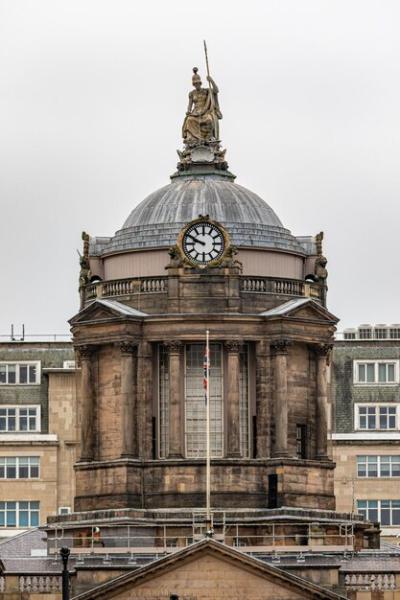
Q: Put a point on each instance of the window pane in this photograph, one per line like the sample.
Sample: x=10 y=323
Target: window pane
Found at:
x=385 y=516
x=35 y=518
x=32 y=373
x=23 y=373
x=390 y=372
x=12 y=377
x=361 y=372
x=23 y=518
x=370 y=372
x=23 y=471
x=11 y=516
x=11 y=472
x=3 y=374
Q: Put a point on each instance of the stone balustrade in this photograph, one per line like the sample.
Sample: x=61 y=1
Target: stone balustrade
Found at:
x=40 y=584
x=370 y=581
x=159 y=285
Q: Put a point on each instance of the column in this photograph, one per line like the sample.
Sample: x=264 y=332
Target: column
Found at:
x=88 y=420
x=232 y=348
x=262 y=435
x=144 y=400
x=280 y=349
x=128 y=399
x=322 y=354
x=175 y=421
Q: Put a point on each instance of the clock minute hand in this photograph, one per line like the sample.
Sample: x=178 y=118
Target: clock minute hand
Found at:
x=196 y=240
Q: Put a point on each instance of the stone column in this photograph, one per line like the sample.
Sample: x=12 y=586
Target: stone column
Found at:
x=88 y=420
x=322 y=354
x=280 y=349
x=128 y=399
x=175 y=421
x=233 y=398
x=144 y=400
x=263 y=386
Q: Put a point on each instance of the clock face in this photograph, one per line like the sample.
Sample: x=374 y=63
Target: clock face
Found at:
x=203 y=243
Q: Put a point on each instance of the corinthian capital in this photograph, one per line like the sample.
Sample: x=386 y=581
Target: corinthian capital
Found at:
x=174 y=346
x=127 y=347
x=233 y=346
x=86 y=352
x=280 y=346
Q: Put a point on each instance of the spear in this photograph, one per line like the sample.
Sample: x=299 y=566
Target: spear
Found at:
x=208 y=75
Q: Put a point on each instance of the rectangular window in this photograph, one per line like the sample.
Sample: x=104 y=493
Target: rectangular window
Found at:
x=19 y=418
x=372 y=372
x=385 y=511
x=378 y=466
x=370 y=417
x=19 y=467
x=301 y=441
x=163 y=383
x=195 y=406
x=19 y=514
x=20 y=373
x=368 y=508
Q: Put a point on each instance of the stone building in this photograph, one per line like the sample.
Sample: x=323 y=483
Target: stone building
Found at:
x=205 y=254
x=38 y=433
x=366 y=395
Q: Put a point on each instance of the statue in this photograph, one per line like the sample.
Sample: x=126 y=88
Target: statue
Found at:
x=84 y=273
x=203 y=112
x=320 y=270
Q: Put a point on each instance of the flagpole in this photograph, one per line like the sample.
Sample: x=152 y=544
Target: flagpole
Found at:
x=208 y=460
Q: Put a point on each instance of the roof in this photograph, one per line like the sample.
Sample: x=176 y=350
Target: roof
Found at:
x=249 y=563
x=158 y=219
x=292 y=306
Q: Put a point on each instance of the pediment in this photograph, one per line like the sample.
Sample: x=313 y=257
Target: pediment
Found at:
x=303 y=309
x=100 y=310
x=208 y=570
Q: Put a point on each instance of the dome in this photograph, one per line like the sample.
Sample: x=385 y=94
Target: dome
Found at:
x=158 y=219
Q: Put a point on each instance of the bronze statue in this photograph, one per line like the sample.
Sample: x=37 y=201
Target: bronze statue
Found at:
x=203 y=112
x=84 y=273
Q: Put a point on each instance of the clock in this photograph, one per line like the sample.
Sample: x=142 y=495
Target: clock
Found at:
x=203 y=243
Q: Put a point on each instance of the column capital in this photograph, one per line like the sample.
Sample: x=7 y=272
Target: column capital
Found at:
x=280 y=346
x=86 y=351
x=322 y=351
x=126 y=347
x=233 y=346
x=174 y=346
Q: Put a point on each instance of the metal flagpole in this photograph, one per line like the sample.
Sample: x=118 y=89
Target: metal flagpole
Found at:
x=208 y=460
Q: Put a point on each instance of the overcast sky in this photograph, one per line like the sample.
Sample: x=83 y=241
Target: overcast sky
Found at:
x=92 y=97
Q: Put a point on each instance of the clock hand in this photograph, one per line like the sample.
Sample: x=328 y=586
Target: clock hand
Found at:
x=196 y=240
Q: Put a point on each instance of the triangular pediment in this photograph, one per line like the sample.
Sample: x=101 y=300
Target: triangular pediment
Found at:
x=303 y=309
x=101 y=309
x=208 y=570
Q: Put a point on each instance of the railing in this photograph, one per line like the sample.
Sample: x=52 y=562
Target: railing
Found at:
x=370 y=582
x=40 y=584
x=163 y=539
x=276 y=285
x=127 y=287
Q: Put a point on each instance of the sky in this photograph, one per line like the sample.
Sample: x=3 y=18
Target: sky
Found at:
x=92 y=98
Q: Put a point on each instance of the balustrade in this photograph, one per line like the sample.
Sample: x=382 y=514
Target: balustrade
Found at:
x=370 y=581
x=41 y=584
x=286 y=287
x=126 y=287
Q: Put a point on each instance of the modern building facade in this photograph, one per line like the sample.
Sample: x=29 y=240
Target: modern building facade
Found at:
x=38 y=433
x=366 y=401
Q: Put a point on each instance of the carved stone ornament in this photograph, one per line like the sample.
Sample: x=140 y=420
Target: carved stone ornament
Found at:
x=233 y=346
x=86 y=352
x=280 y=346
x=127 y=347
x=174 y=346
x=323 y=350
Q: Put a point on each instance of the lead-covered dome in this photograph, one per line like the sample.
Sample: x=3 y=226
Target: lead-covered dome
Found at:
x=158 y=219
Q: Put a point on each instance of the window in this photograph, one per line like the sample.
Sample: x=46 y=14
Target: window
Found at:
x=195 y=417
x=380 y=333
x=394 y=333
x=163 y=382
x=376 y=372
x=64 y=510
x=365 y=333
x=378 y=466
x=301 y=441
x=19 y=418
x=26 y=373
x=19 y=514
x=385 y=511
x=19 y=467
x=244 y=400
x=380 y=417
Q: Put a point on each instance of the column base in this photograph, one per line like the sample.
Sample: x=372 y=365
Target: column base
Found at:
x=128 y=455
x=177 y=455
x=322 y=457
x=280 y=454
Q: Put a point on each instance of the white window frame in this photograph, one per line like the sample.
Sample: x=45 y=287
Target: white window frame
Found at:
x=64 y=510
x=18 y=408
x=8 y=507
x=376 y=363
x=18 y=364
x=377 y=406
x=5 y=462
x=379 y=459
x=380 y=508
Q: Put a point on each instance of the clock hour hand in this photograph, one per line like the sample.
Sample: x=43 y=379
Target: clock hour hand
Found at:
x=196 y=240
